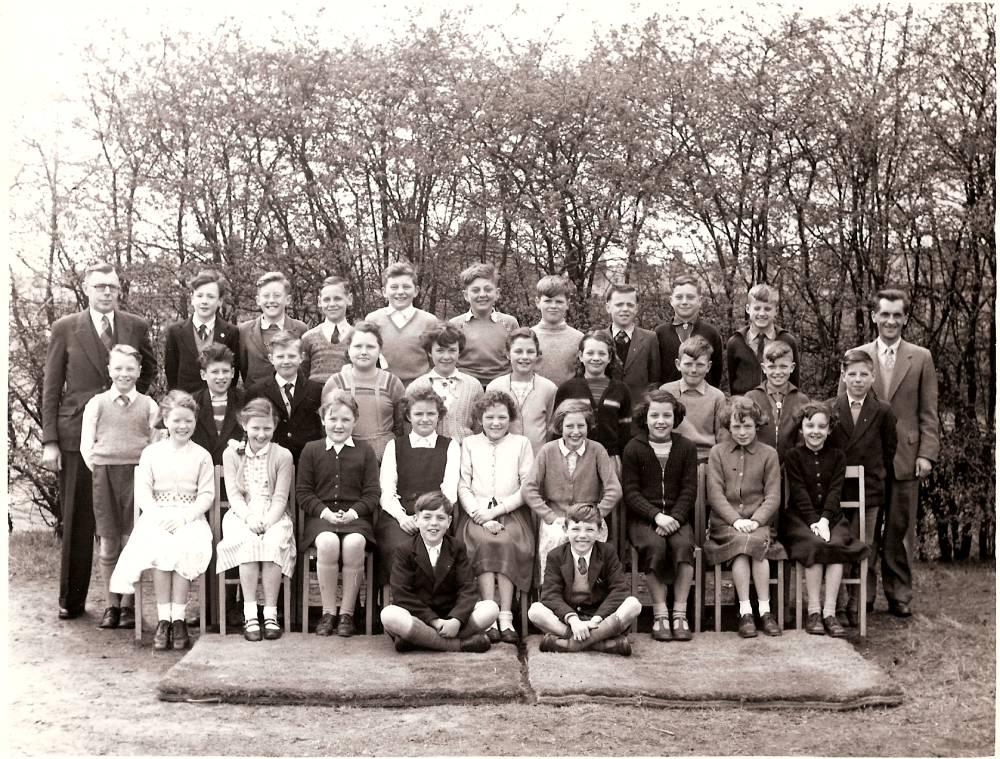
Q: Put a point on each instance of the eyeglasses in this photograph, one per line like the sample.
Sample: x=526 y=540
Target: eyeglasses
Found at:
x=105 y=288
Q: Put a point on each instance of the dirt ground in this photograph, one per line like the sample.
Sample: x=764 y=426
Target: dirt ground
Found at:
x=73 y=689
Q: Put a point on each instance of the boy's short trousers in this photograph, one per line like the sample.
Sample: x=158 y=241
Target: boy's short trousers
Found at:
x=113 y=501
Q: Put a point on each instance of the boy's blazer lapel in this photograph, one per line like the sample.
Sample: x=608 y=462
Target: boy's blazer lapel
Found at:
x=257 y=338
x=206 y=415
x=566 y=566
x=219 y=332
x=231 y=420
x=636 y=348
x=445 y=560
x=187 y=342
x=844 y=415
x=865 y=419
x=93 y=347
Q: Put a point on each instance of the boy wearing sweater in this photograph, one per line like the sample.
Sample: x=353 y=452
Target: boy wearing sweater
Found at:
x=402 y=324
x=324 y=347
x=117 y=425
x=702 y=403
x=559 y=341
x=486 y=329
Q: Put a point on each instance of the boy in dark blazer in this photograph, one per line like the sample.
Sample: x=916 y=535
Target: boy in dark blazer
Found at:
x=296 y=398
x=637 y=348
x=273 y=296
x=685 y=300
x=188 y=338
x=584 y=597
x=219 y=403
x=745 y=348
x=435 y=600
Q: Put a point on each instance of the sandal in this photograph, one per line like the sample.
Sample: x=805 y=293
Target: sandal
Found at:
x=272 y=630
x=251 y=630
x=661 y=629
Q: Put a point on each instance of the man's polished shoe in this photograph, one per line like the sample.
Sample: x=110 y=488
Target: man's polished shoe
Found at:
x=508 y=635
x=770 y=625
x=474 y=644
x=161 y=638
x=345 y=625
x=833 y=628
x=65 y=613
x=681 y=629
x=493 y=634
x=179 y=635
x=111 y=618
x=548 y=644
x=661 y=629
x=900 y=609
x=747 y=628
x=325 y=625
x=126 y=620
x=814 y=624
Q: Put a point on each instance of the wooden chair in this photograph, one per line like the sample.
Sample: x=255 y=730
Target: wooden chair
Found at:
x=202 y=595
x=858 y=473
x=216 y=521
x=698 y=526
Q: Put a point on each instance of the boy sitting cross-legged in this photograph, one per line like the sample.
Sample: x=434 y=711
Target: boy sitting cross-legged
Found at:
x=585 y=602
x=434 y=593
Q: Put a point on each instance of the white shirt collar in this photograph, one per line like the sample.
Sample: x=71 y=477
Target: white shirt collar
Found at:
x=260 y=454
x=615 y=329
x=433 y=552
x=851 y=399
x=131 y=394
x=433 y=373
x=770 y=333
x=96 y=316
x=210 y=325
x=401 y=317
x=265 y=323
x=343 y=327
x=419 y=441
x=565 y=451
x=684 y=387
x=338 y=447
x=282 y=381
x=469 y=316
x=883 y=346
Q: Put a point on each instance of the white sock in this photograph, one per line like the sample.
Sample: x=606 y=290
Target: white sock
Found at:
x=250 y=611
x=830 y=609
x=764 y=606
x=814 y=609
x=680 y=611
x=505 y=620
x=659 y=610
x=328 y=610
x=270 y=612
x=163 y=612
x=745 y=608
x=177 y=611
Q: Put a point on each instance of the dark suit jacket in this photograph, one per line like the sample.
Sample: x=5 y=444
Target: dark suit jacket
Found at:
x=870 y=443
x=608 y=584
x=180 y=355
x=255 y=366
x=642 y=363
x=669 y=345
x=743 y=367
x=913 y=396
x=204 y=430
x=293 y=430
x=76 y=369
x=446 y=591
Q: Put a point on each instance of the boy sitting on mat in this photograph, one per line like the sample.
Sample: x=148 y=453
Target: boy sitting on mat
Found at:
x=434 y=590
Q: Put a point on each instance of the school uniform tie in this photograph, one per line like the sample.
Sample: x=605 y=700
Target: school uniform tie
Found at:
x=855 y=410
x=202 y=332
x=106 y=337
x=335 y=337
x=621 y=345
x=123 y=401
x=761 y=339
x=581 y=565
x=289 y=387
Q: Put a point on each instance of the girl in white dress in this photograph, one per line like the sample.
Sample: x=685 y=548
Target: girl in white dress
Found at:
x=174 y=488
x=257 y=531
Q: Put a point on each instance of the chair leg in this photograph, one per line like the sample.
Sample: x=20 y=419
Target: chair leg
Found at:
x=137 y=601
x=203 y=604
x=863 y=599
x=305 y=593
x=718 y=598
x=369 y=591
x=634 y=577
x=286 y=585
x=781 y=595
x=222 y=603
x=699 y=583
x=524 y=613
x=798 y=596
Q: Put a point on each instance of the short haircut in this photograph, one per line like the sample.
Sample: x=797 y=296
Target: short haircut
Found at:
x=809 y=410
x=487 y=400
x=552 y=285
x=367 y=328
x=338 y=398
x=176 y=399
x=442 y=334
x=891 y=293
x=478 y=271
x=856 y=356
x=620 y=287
x=270 y=277
x=209 y=277
x=422 y=395
x=125 y=350
x=433 y=501
x=686 y=279
x=583 y=512
x=336 y=282
x=762 y=294
x=696 y=346
x=102 y=267
x=571 y=406
x=525 y=333
x=258 y=407
x=742 y=408
x=216 y=353
x=658 y=396
x=777 y=349
x=399 y=269
x=283 y=339
x=600 y=336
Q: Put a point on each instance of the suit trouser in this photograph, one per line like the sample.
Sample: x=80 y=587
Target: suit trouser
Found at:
x=76 y=496
x=899 y=541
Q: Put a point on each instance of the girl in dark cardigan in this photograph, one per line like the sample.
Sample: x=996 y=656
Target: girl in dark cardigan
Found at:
x=814 y=528
x=337 y=489
x=660 y=480
x=608 y=397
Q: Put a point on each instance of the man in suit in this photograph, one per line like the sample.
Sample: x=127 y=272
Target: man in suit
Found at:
x=76 y=369
x=685 y=300
x=637 y=348
x=273 y=296
x=188 y=338
x=906 y=380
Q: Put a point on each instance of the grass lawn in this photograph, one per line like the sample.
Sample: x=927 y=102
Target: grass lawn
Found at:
x=78 y=690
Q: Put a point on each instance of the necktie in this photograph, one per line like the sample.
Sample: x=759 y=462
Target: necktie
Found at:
x=106 y=336
x=288 y=395
x=335 y=337
x=581 y=565
x=621 y=345
x=571 y=458
x=760 y=348
x=890 y=359
x=123 y=401
x=855 y=410
x=202 y=332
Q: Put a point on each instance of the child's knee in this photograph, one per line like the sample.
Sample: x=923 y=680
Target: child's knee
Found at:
x=395 y=619
x=486 y=612
x=327 y=546
x=630 y=609
x=538 y=611
x=353 y=550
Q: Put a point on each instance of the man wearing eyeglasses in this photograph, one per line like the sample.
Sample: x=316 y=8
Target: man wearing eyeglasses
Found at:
x=76 y=369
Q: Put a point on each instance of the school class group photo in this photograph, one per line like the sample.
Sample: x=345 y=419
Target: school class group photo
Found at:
x=474 y=463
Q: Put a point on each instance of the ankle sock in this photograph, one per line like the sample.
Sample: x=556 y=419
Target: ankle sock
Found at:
x=814 y=609
x=328 y=610
x=745 y=608
x=270 y=612
x=177 y=611
x=764 y=607
x=829 y=610
x=659 y=610
x=505 y=621
x=163 y=612
x=250 y=611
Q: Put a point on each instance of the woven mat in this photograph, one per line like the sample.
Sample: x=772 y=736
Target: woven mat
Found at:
x=360 y=671
x=795 y=670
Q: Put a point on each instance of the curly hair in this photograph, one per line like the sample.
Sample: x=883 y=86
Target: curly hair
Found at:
x=492 y=398
x=421 y=394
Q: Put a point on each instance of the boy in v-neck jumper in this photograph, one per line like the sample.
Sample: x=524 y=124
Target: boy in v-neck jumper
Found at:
x=559 y=342
x=486 y=329
x=402 y=324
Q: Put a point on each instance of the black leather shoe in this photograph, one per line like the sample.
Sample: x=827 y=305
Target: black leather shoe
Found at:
x=661 y=629
x=272 y=630
x=126 y=620
x=814 y=624
x=65 y=613
x=493 y=634
x=619 y=646
x=770 y=625
x=345 y=625
x=111 y=618
x=833 y=628
x=161 y=638
x=474 y=644
x=508 y=635
x=681 y=630
x=325 y=625
x=900 y=609
x=251 y=630
x=402 y=645
x=548 y=645
x=179 y=634
x=747 y=628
